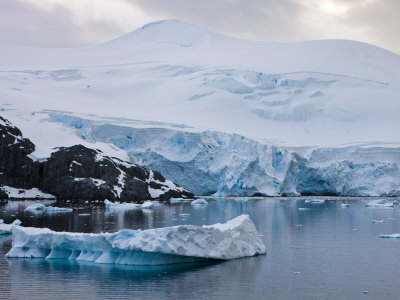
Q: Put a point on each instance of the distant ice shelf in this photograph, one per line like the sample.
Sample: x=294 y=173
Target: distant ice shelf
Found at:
x=236 y=238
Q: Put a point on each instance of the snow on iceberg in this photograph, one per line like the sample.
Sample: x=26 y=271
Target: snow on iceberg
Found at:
x=236 y=238
x=6 y=228
x=127 y=206
x=199 y=202
x=379 y=203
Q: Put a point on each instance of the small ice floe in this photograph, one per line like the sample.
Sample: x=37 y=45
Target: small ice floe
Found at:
x=199 y=202
x=184 y=215
x=303 y=208
x=126 y=206
x=379 y=203
x=315 y=201
x=83 y=215
x=343 y=205
x=180 y=200
x=53 y=209
x=36 y=207
x=390 y=236
x=318 y=201
x=296 y=273
x=377 y=221
x=236 y=238
x=7 y=228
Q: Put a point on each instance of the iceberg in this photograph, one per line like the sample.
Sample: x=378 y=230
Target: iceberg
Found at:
x=36 y=207
x=343 y=205
x=390 y=236
x=236 y=238
x=199 y=202
x=180 y=200
x=379 y=203
x=126 y=206
x=6 y=228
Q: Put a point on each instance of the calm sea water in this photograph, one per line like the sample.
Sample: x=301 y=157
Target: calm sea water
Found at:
x=321 y=252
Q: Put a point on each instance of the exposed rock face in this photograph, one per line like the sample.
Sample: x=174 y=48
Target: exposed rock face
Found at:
x=78 y=173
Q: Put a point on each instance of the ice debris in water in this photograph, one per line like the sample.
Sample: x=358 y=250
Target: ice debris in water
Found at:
x=39 y=207
x=377 y=221
x=126 y=206
x=54 y=209
x=315 y=201
x=180 y=200
x=236 y=238
x=344 y=205
x=199 y=202
x=6 y=228
x=390 y=236
x=379 y=203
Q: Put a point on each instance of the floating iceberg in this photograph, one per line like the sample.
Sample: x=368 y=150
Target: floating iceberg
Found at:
x=344 y=205
x=315 y=201
x=185 y=243
x=6 y=228
x=199 y=202
x=35 y=207
x=379 y=203
x=180 y=200
x=52 y=209
x=126 y=206
x=390 y=236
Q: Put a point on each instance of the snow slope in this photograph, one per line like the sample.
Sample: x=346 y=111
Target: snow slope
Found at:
x=235 y=239
x=224 y=115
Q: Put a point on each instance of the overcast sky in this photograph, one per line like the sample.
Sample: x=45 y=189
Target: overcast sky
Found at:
x=69 y=23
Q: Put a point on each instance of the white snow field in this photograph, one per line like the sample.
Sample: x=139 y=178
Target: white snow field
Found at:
x=218 y=115
x=185 y=243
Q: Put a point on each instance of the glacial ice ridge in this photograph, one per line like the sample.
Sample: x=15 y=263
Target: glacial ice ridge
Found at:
x=236 y=238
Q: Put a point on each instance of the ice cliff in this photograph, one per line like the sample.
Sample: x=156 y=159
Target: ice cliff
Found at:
x=185 y=243
x=222 y=164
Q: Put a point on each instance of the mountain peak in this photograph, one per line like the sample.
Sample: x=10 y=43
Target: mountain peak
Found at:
x=173 y=32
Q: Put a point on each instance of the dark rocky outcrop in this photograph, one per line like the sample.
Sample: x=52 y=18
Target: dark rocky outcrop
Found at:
x=78 y=173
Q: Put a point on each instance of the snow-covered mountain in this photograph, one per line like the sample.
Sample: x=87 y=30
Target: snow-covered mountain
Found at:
x=217 y=114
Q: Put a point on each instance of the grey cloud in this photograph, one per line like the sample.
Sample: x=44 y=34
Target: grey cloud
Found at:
x=274 y=20
x=23 y=23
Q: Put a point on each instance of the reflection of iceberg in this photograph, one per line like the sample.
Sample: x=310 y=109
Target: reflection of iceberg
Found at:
x=379 y=203
x=186 y=243
x=6 y=228
x=127 y=206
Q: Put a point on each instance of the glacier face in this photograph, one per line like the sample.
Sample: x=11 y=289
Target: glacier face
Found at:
x=229 y=164
x=185 y=243
x=217 y=114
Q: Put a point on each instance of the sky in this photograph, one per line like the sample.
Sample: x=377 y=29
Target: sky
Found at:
x=71 y=23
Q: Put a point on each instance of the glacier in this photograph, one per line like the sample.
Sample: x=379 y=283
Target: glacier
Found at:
x=217 y=115
x=222 y=164
x=236 y=238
